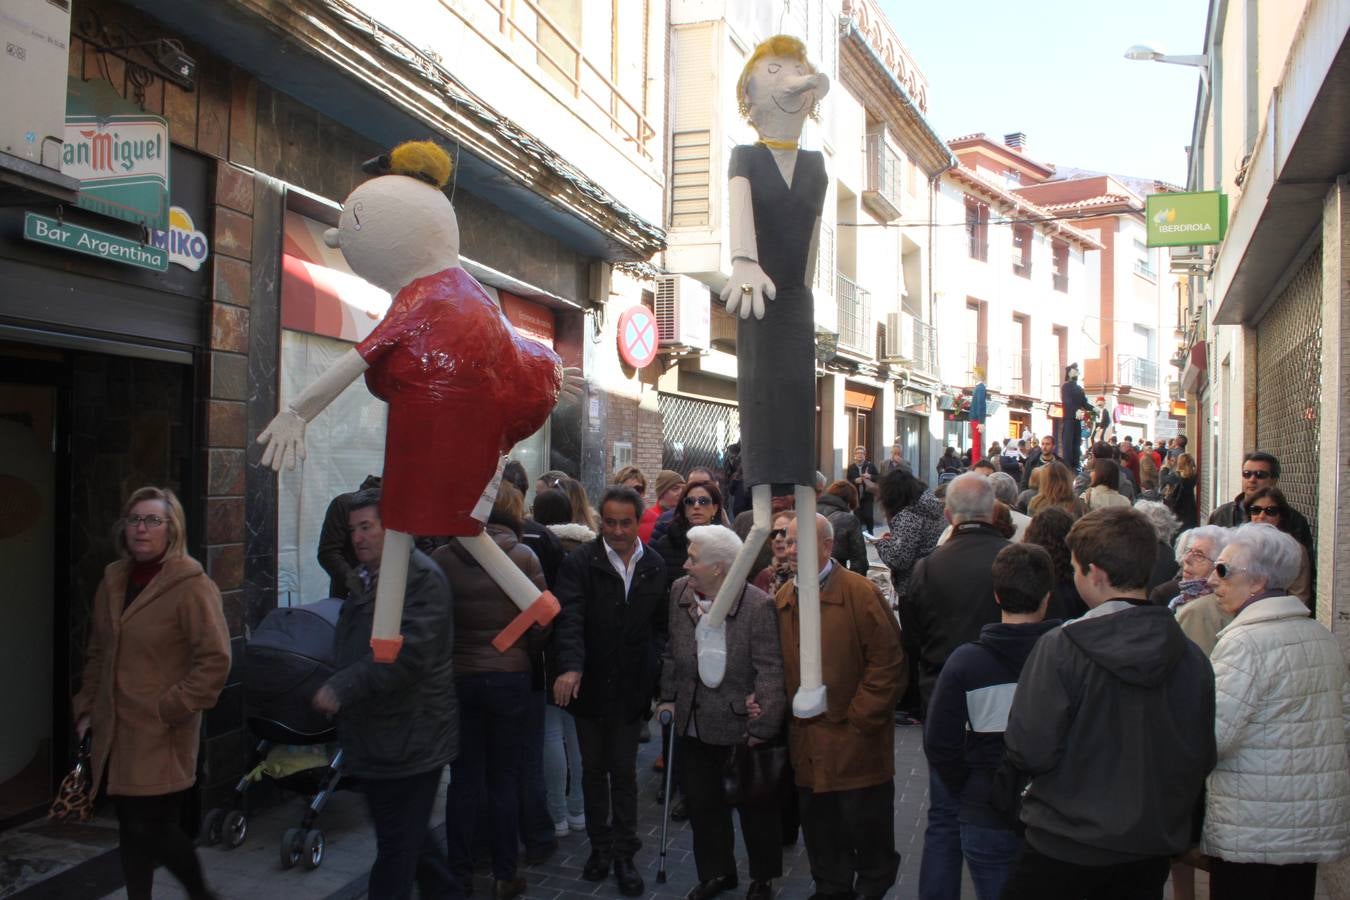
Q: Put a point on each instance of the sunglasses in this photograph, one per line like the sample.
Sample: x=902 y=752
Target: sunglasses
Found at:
x=778 y=533
x=1223 y=570
x=1259 y=475
x=1265 y=511
x=698 y=501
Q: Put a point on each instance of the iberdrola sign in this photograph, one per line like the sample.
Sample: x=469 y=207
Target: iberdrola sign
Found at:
x=1186 y=219
x=119 y=153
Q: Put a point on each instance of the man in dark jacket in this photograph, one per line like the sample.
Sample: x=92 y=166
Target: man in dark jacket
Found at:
x=1040 y=456
x=950 y=598
x=1261 y=470
x=963 y=734
x=1113 y=719
x=609 y=638
x=335 y=546
x=397 y=723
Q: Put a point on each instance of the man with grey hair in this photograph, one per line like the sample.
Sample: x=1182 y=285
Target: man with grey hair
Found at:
x=950 y=598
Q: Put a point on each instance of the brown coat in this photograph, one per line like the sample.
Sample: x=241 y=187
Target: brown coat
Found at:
x=482 y=609
x=852 y=745
x=149 y=672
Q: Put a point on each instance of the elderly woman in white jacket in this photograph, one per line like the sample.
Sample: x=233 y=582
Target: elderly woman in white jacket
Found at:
x=1278 y=800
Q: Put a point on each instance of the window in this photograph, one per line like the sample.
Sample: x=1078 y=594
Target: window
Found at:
x=1012 y=178
x=1061 y=254
x=1021 y=361
x=1143 y=266
x=977 y=229
x=1023 y=237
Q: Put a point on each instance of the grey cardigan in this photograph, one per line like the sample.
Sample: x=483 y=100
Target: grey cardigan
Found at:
x=754 y=665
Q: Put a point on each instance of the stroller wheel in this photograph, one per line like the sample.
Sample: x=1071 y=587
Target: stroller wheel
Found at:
x=292 y=846
x=313 y=855
x=234 y=828
x=211 y=822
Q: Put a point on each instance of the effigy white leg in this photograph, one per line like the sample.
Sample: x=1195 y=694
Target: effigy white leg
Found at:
x=386 y=636
x=710 y=634
x=535 y=608
x=810 y=699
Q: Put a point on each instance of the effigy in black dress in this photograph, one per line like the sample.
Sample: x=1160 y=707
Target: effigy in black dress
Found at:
x=776 y=355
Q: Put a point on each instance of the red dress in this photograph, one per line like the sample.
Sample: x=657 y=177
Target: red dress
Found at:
x=462 y=388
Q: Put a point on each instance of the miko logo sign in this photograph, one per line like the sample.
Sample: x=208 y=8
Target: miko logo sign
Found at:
x=186 y=246
x=119 y=153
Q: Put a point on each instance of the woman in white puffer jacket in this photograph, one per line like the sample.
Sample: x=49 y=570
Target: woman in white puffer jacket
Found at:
x=1278 y=800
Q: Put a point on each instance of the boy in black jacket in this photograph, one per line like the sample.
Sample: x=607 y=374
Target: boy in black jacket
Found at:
x=963 y=734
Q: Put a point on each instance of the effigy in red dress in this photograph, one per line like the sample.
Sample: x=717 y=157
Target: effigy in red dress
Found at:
x=462 y=389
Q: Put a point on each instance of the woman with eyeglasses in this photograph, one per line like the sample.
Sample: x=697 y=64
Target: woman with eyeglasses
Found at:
x=1269 y=505
x=1189 y=595
x=158 y=654
x=1278 y=799
x=700 y=504
x=780 y=569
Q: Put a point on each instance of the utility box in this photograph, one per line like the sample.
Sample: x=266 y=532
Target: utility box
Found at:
x=35 y=36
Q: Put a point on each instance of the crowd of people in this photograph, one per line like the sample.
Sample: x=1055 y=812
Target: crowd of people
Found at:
x=1110 y=693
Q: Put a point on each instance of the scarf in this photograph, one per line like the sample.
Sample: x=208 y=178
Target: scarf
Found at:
x=1190 y=589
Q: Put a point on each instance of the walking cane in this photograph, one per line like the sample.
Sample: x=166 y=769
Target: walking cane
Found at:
x=667 y=719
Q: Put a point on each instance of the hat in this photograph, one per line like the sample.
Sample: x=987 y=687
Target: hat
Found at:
x=666 y=479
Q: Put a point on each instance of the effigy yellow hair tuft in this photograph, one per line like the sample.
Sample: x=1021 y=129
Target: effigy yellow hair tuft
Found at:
x=421 y=159
x=784 y=45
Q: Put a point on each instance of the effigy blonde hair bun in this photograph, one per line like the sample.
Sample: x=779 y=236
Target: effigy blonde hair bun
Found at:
x=424 y=160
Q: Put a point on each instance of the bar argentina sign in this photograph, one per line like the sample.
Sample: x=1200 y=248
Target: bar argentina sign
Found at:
x=119 y=153
x=112 y=247
x=1186 y=219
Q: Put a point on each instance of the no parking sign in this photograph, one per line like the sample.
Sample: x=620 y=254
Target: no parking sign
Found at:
x=637 y=336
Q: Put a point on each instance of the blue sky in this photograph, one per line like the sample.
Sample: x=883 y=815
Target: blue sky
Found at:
x=1056 y=70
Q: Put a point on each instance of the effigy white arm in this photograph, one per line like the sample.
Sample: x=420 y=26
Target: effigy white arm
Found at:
x=283 y=439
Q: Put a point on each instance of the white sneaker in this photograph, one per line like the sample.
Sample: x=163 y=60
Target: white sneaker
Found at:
x=577 y=823
x=560 y=829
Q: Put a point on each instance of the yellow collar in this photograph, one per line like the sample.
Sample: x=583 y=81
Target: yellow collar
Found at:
x=778 y=145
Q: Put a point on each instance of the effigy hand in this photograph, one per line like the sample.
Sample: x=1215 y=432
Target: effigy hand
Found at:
x=746 y=289
x=283 y=441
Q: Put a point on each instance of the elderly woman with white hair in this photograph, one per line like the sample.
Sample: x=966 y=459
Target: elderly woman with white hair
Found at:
x=1278 y=800
x=1165 y=526
x=1195 y=604
x=710 y=722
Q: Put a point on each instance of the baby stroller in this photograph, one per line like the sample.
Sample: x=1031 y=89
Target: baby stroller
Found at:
x=289 y=656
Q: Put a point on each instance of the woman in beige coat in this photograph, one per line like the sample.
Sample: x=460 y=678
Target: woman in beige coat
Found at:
x=158 y=654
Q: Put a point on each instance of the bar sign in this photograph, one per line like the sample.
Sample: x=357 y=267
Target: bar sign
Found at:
x=44 y=230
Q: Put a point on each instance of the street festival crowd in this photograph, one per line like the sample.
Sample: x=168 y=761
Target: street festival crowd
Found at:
x=1112 y=694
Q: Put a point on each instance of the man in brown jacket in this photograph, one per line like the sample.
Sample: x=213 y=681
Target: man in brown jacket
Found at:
x=845 y=759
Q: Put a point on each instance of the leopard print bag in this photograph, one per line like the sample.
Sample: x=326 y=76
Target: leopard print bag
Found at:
x=75 y=798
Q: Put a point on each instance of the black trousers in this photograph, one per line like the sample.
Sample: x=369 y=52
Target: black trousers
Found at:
x=850 y=839
x=701 y=767
x=609 y=780
x=150 y=833
x=405 y=851
x=1039 y=877
x=1258 y=881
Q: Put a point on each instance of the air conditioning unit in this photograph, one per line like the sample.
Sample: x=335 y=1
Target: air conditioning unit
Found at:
x=36 y=39
x=899 y=336
x=682 y=313
x=1187 y=259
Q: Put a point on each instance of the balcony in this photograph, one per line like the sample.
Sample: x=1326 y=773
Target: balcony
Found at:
x=925 y=346
x=1020 y=371
x=854 y=315
x=1144 y=270
x=884 y=187
x=1134 y=372
x=1062 y=282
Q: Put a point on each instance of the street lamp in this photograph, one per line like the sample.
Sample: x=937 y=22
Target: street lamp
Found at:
x=1198 y=61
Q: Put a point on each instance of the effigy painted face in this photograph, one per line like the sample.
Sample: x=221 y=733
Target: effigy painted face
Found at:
x=780 y=93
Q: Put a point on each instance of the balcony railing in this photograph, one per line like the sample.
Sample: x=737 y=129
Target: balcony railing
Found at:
x=885 y=169
x=1132 y=371
x=925 y=346
x=1062 y=282
x=1143 y=269
x=854 y=315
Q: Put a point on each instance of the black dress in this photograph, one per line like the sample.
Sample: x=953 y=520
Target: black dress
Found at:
x=776 y=379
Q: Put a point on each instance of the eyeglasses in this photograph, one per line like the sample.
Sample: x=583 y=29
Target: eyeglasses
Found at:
x=1258 y=474
x=698 y=501
x=1273 y=511
x=1223 y=570
x=1196 y=556
x=778 y=533
x=147 y=521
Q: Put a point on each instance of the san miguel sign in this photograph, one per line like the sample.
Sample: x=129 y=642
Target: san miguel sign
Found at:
x=119 y=153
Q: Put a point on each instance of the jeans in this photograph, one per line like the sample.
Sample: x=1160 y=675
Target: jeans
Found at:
x=493 y=726
x=1241 y=881
x=850 y=839
x=405 y=851
x=1039 y=877
x=701 y=769
x=536 y=826
x=609 y=775
x=990 y=855
x=562 y=765
x=940 y=868
x=149 y=833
